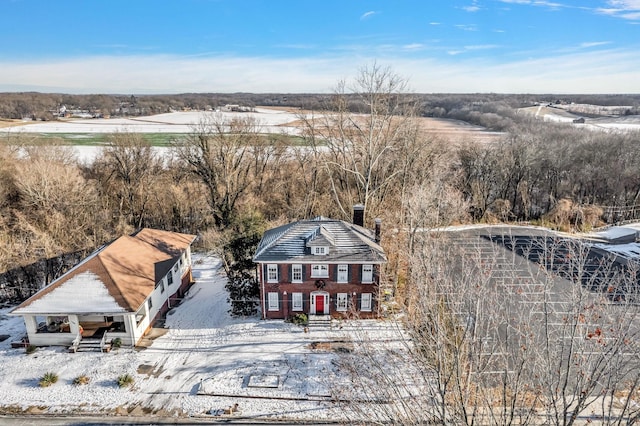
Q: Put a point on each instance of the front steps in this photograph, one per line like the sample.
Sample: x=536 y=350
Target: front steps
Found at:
x=319 y=322
x=91 y=345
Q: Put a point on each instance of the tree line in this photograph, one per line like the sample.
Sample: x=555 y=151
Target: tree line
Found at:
x=363 y=144
x=487 y=109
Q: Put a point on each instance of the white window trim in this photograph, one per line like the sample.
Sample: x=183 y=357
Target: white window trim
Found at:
x=342 y=297
x=320 y=250
x=323 y=269
x=366 y=307
x=369 y=278
x=272 y=267
x=344 y=279
x=293 y=273
x=296 y=301
x=273 y=302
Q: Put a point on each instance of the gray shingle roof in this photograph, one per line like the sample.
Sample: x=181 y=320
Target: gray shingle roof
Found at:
x=346 y=242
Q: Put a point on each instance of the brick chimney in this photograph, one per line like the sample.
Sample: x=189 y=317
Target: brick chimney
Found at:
x=358 y=215
x=378 y=223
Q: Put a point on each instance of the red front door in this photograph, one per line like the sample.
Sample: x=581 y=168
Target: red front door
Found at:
x=319 y=304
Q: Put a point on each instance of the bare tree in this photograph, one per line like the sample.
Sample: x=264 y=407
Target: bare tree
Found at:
x=128 y=169
x=56 y=207
x=510 y=327
x=227 y=156
x=364 y=151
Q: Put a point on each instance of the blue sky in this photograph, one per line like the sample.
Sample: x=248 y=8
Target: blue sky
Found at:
x=144 y=46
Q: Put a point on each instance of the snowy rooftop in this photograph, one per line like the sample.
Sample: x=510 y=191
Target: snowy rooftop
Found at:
x=349 y=243
x=127 y=269
x=615 y=232
x=82 y=293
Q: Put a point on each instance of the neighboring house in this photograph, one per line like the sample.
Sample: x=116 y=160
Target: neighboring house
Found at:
x=320 y=267
x=119 y=290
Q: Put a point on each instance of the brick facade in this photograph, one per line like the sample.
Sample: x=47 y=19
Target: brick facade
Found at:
x=311 y=288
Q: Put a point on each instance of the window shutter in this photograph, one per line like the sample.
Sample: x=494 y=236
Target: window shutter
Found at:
x=304 y=272
x=280 y=268
x=349 y=273
x=333 y=273
x=264 y=272
x=359 y=302
x=289 y=276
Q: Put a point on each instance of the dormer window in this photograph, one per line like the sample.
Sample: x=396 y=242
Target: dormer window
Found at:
x=318 y=241
x=320 y=250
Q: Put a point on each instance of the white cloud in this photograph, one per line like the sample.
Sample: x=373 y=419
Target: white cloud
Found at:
x=481 y=47
x=542 y=3
x=414 y=46
x=625 y=9
x=471 y=9
x=466 y=27
x=368 y=15
x=589 y=44
x=586 y=71
x=625 y=4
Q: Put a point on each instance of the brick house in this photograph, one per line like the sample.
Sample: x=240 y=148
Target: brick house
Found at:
x=320 y=266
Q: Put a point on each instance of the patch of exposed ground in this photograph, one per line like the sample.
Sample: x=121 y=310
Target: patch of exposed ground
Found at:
x=5 y=122
x=451 y=131
x=339 y=346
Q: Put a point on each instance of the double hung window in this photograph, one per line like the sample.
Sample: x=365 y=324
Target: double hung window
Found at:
x=367 y=273
x=341 y=302
x=296 y=301
x=296 y=273
x=272 y=273
x=343 y=273
x=365 y=302
x=320 y=271
x=273 y=302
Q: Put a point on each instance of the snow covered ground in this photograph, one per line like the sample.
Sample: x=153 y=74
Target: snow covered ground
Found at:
x=205 y=363
x=270 y=121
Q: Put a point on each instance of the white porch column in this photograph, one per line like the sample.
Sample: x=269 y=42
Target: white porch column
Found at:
x=74 y=324
x=31 y=323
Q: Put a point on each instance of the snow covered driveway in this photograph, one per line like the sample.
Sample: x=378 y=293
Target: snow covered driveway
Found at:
x=206 y=361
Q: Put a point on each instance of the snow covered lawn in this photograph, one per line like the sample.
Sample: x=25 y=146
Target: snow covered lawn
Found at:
x=205 y=363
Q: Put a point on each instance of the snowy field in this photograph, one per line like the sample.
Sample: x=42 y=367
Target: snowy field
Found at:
x=609 y=124
x=269 y=120
x=205 y=363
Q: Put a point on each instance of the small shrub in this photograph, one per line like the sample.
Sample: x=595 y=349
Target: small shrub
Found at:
x=48 y=379
x=116 y=343
x=31 y=349
x=125 y=380
x=81 y=380
x=299 y=319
